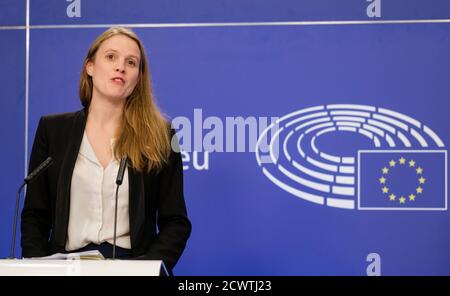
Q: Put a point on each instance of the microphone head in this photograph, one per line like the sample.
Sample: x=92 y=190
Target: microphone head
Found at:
x=121 y=172
x=39 y=170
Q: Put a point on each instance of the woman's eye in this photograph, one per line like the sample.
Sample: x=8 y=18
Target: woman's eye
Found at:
x=110 y=57
x=131 y=63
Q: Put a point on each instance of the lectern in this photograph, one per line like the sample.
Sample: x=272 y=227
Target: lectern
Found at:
x=79 y=267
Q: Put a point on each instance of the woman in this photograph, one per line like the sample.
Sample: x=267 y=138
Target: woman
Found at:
x=70 y=208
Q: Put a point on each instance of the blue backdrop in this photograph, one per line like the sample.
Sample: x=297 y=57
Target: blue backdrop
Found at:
x=264 y=59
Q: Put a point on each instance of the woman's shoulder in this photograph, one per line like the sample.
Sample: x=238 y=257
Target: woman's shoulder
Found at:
x=61 y=123
x=58 y=118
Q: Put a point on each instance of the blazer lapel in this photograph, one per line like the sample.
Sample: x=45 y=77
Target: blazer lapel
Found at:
x=74 y=136
x=136 y=204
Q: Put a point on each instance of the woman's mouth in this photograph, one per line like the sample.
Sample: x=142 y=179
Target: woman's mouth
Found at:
x=118 y=80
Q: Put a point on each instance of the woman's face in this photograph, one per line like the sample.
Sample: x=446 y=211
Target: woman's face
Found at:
x=115 y=68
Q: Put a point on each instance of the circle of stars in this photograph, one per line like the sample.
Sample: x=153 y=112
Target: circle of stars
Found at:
x=384 y=179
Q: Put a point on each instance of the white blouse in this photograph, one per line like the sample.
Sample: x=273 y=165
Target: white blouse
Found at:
x=92 y=202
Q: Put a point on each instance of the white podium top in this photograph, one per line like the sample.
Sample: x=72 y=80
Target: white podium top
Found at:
x=76 y=267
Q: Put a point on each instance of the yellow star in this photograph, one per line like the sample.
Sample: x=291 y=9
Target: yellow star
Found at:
x=419 y=170
x=392 y=163
x=402 y=199
x=402 y=160
x=385 y=189
x=412 y=163
x=392 y=196
x=412 y=197
x=419 y=190
x=385 y=170
x=421 y=180
x=382 y=180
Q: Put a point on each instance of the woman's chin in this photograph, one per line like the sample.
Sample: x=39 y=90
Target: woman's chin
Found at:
x=116 y=98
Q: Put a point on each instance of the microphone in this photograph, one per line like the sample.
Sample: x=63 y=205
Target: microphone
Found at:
x=121 y=171
x=28 y=180
x=119 y=180
x=39 y=170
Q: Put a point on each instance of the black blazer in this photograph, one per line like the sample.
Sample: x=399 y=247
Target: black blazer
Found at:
x=156 y=199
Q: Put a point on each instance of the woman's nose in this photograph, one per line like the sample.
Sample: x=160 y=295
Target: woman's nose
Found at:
x=120 y=66
x=120 y=69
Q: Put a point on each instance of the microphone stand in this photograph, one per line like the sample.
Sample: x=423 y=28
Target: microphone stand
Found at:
x=119 y=180
x=115 y=222
x=16 y=214
x=30 y=178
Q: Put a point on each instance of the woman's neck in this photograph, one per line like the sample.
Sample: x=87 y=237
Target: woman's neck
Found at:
x=105 y=115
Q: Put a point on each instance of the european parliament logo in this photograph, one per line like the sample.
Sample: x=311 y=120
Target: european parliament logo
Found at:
x=318 y=154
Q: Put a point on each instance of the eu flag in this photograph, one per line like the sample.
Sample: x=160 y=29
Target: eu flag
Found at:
x=402 y=180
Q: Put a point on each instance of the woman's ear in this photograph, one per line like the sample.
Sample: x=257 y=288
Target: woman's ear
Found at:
x=90 y=68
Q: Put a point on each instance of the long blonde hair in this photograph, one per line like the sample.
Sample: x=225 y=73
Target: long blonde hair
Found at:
x=144 y=134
